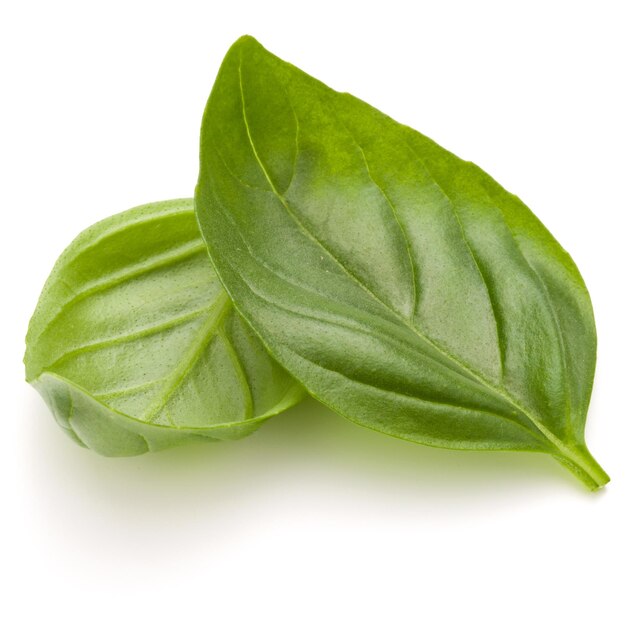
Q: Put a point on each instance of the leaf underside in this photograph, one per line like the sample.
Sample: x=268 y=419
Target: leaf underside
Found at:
x=135 y=346
x=401 y=285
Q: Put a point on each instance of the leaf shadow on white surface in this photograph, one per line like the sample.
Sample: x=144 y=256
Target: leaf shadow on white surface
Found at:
x=311 y=439
x=305 y=467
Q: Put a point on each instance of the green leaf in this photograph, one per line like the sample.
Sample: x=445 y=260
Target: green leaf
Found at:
x=400 y=284
x=135 y=346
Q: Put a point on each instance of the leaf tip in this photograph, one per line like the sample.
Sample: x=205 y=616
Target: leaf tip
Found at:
x=246 y=42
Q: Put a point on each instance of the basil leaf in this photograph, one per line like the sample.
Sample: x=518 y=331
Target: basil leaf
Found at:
x=135 y=346
x=400 y=284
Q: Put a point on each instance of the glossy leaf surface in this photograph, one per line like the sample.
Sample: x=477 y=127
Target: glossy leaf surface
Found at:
x=400 y=284
x=135 y=346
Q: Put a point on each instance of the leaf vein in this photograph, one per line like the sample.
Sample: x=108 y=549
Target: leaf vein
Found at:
x=400 y=225
x=120 y=339
x=162 y=261
x=206 y=333
x=555 y=318
x=488 y=289
x=235 y=359
x=421 y=399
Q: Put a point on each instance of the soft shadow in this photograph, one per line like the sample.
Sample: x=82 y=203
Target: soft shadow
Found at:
x=311 y=436
x=308 y=456
x=330 y=440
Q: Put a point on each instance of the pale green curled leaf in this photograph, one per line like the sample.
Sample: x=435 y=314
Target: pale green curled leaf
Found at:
x=135 y=346
x=400 y=284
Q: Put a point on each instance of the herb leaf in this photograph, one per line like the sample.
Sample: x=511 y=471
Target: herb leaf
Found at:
x=400 y=284
x=135 y=346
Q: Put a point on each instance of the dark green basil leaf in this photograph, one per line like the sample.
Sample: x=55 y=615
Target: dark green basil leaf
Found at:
x=135 y=346
x=400 y=284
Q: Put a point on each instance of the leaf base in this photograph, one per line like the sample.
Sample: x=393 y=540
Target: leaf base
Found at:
x=581 y=463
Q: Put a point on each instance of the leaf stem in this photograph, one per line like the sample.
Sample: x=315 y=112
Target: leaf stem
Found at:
x=578 y=460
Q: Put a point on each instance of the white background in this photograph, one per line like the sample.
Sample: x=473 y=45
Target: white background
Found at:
x=311 y=520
